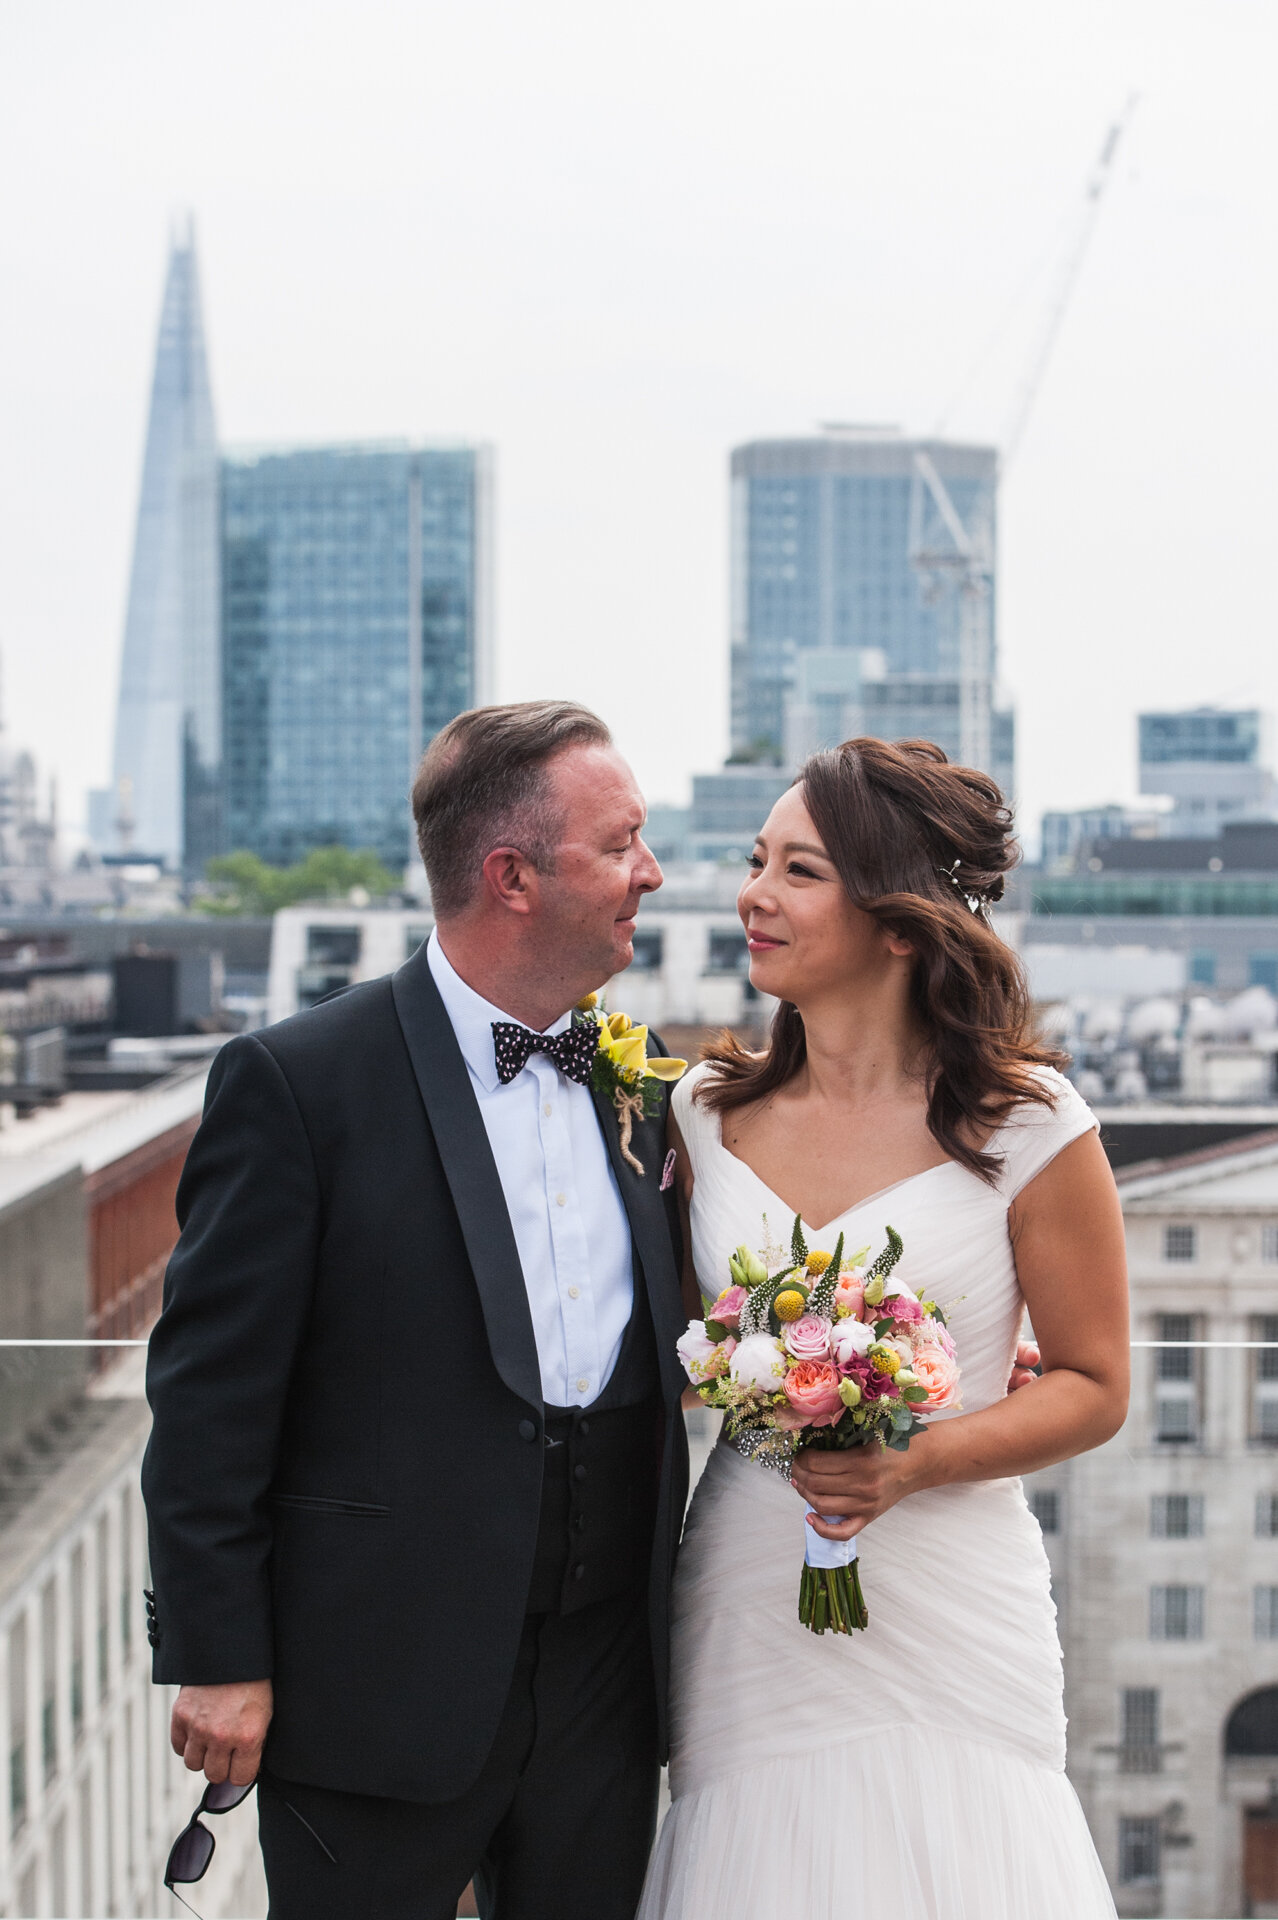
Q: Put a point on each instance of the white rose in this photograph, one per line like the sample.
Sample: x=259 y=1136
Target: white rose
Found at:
x=696 y=1349
x=902 y=1347
x=758 y=1362
x=849 y=1339
x=897 y=1292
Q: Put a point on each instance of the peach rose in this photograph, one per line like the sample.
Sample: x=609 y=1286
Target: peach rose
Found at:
x=937 y=1373
x=812 y=1388
x=850 y=1292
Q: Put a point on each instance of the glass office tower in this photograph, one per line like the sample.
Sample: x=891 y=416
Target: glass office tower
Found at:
x=848 y=591
x=355 y=616
x=164 y=800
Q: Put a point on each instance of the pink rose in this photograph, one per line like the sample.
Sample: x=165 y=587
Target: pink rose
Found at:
x=812 y=1388
x=938 y=1375
x=906 y=1313
x=944 y=1339
x=807 y=1338
x=727 y=1308
x=850 y=1292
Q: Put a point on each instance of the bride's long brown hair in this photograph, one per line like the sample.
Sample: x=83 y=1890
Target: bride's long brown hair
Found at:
x=922 y=846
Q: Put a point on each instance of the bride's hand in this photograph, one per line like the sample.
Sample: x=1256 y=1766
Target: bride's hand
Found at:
x=852 y=1488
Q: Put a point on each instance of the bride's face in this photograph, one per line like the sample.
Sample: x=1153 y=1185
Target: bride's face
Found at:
x=805 y=936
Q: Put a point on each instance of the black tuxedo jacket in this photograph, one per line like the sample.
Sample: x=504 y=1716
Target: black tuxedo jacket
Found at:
x=343 y=1480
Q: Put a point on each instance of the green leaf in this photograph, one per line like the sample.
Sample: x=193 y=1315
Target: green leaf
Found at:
x=912 y=1396
x=716 y=1331
x=881 y=1327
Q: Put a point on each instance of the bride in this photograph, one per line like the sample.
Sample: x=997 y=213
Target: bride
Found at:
x=917 y=1768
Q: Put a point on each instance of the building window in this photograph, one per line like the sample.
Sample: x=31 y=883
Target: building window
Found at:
x=1180 y=1242
x=1176 y=1381
x=649 y=951
x=1269 y=1242
x=1175 y=1613
x=1202 y=968
x=1262 y=971
x=1139 y=1750
x=1176 y=1516
x=728 y=951
x=1267 y=1515
x=1138 y=1851
x=1045 y=1505
x=1265 y=1613
x=1264 y=1380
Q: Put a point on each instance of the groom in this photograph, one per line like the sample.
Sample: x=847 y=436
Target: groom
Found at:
x=418 y=1466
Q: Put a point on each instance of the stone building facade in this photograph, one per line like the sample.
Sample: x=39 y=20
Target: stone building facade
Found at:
x=1164 y=1550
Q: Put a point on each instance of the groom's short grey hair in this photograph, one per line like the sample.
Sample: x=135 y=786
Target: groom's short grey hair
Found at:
x=484 y=783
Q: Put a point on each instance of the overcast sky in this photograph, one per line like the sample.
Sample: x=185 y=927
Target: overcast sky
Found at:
x=617 y=240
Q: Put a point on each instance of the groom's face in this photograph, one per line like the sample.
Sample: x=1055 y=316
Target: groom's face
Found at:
x=587 y=906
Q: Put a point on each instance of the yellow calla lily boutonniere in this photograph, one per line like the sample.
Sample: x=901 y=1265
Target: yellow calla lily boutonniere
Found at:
x=625 y=1074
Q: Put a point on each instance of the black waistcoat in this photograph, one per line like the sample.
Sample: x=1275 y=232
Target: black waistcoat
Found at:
x=600 y=1481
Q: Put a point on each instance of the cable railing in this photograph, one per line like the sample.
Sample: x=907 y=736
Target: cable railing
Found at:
x=1163 y=1548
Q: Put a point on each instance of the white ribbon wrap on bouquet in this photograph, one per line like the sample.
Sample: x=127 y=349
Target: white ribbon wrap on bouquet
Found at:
x=820 y=1552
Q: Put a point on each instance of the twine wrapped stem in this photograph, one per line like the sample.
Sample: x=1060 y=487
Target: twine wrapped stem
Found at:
x=629 y=1107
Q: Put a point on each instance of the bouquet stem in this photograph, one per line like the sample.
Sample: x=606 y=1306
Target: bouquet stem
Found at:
x=831 y=1597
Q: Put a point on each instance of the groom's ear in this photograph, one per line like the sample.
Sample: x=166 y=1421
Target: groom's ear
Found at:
x=511 y=879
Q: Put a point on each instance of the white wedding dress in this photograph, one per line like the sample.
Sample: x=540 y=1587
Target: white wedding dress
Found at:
x=915 y=1769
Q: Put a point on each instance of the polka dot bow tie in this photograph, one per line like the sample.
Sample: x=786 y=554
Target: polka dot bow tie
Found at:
x=573 y=1051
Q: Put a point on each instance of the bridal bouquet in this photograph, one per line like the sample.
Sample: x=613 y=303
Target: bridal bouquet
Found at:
x=821 y=1352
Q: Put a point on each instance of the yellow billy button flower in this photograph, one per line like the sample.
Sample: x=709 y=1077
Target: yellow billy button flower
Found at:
x=790 y=1303
x=588 y=1004
x=886 y=1359
x=817 y=1262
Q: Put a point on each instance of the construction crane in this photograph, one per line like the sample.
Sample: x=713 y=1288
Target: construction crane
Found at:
x=955 y=557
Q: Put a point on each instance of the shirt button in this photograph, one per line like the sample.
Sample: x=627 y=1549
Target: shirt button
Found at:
x=582 y=1385
x=574 y=1293
x=547 y=1109
x=561 y=1199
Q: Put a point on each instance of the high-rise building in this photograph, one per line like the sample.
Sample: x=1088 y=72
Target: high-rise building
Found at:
x=164 y=799
x=355 y=624
x=1215 y=765
x=863 y=596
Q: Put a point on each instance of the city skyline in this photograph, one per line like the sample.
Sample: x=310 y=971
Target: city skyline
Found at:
x=615 y=327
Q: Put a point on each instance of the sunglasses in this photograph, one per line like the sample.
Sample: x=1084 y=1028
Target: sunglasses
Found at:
x=191 y=1852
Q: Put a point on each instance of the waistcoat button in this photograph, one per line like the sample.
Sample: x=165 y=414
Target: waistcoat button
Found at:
x=579 y=1472
x=528 y=1429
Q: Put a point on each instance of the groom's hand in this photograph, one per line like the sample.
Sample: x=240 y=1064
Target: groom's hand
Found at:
x=219 y=1731
x=1027 y=1358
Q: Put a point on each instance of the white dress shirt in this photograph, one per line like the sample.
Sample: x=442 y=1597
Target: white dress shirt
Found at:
x=562 y=1195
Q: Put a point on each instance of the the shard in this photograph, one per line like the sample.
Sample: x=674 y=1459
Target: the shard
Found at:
x=166 y=778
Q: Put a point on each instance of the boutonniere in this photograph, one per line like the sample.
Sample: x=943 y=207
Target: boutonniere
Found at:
x=624 y=1074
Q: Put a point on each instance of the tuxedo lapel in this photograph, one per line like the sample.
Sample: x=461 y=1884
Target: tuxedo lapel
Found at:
x=471 y=1172
x=649 y=1227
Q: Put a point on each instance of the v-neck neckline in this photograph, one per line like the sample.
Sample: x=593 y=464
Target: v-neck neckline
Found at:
x=856 y=1205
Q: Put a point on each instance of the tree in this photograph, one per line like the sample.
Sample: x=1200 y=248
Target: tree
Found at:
x=244 y=884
